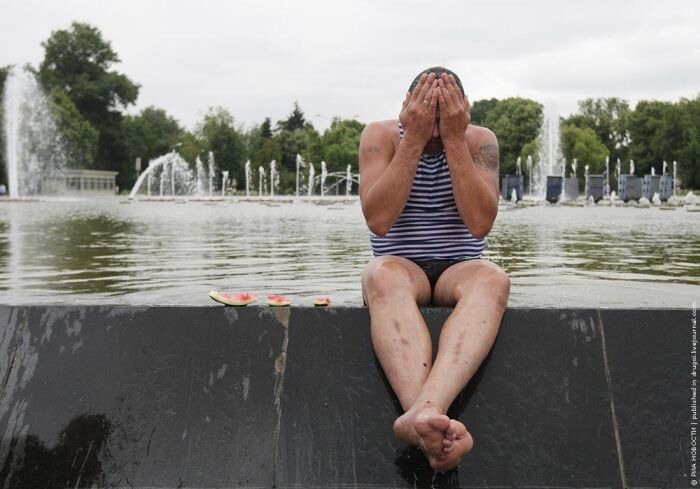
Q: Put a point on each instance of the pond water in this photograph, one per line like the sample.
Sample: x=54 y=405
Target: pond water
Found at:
x=114 y=251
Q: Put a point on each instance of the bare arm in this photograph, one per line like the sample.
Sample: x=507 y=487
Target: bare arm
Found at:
x=473 y=160
x=475 y=183
x=386 y=174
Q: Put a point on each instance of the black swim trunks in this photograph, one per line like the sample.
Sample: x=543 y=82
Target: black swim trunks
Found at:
x=434 y=268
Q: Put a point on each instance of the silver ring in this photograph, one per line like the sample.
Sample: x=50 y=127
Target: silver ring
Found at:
x=426 y=100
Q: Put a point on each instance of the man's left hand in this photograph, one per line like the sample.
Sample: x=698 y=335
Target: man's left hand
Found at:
x=454 y=110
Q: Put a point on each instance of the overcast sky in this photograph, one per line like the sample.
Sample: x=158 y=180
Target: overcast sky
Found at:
x=356 y=58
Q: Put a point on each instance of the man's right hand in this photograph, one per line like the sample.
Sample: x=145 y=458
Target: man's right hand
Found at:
x=419 y=109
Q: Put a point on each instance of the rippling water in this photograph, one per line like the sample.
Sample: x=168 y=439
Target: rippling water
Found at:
x=110 y=251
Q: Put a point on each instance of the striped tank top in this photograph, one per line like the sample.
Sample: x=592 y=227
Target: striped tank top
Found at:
x=429 y=227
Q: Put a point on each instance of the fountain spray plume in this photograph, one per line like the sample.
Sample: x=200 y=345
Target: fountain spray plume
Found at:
x=172 y=171
x=199 y=166
x=248 y=177
x=300 y=165
x=324 y=175
x=34 y=149
x=261 y=172
x=210 y=164
x=311 y=179
x=550 y=159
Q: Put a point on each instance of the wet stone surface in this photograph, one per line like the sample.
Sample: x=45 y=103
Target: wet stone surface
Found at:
x=118 y=396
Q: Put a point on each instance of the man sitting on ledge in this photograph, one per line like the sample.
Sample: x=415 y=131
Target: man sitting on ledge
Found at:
x=429 y=193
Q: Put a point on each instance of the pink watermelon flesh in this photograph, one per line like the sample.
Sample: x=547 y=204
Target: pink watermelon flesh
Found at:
x=242 y=299
x=278 y=300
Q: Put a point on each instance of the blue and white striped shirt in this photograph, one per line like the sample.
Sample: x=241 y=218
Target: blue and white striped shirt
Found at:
x=429 y=227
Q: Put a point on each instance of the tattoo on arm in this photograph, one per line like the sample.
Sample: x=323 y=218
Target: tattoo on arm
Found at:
x=487 y=158
x=370 y=149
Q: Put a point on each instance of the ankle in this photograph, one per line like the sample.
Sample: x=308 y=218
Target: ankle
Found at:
x=427 y=406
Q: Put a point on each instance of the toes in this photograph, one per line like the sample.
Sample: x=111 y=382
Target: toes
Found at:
x=431 y=429
x=457 y=443
x=439 y=422
x=456 y=430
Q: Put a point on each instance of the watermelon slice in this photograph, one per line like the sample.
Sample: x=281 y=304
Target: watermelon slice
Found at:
x=233 y=299
x=322 y=301
x=278 y=300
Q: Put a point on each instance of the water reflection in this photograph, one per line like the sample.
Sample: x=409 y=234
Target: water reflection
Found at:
x=75 y=461
x=4 y=245
x=162 y=252
x=79 y=254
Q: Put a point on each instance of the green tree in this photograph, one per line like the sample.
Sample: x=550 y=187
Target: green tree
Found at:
x=313 y=146
x=218 y=133
x=290 y=144
x=78 y=61
x=266 y=129
x=79 y=137
x=608 y=117
x=148 y=135
x=689 y=155
x=261 y=146
x=652 y=125
x=191 y=146
x=516 y=122
x=340 y=144
x=585 y=146
x=294 y=135
x=296 y=120
x=530 y=149
x=480 y=109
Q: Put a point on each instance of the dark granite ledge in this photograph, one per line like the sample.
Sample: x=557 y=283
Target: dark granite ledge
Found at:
x=126 y=396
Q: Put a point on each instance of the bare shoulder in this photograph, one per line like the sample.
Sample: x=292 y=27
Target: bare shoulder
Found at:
x=483 y=146
x=378 y=137
x=382 y=130
x=478 y=136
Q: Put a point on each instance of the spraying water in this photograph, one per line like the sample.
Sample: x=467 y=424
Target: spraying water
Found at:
x=324 y=175
x=311 y=178
x=33 y=146
x=550 y=159
x=172 y=171
x=261 y=171
x=274 y=178
x=300 y=165
x=248 y=177
x=210 y=164
x=199 y=192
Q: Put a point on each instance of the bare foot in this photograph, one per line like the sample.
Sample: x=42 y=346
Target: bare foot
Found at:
x=457 y=443
x=426 y=428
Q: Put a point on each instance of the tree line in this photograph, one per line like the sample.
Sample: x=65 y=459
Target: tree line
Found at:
x=89 y=99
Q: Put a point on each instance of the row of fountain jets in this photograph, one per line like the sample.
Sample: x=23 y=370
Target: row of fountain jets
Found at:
x=574 y=165
x=172 y=176
x=34 y=152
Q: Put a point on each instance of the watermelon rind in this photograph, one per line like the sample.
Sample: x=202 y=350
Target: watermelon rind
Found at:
x=230 y=301
x=322 y=302
x=278 y=301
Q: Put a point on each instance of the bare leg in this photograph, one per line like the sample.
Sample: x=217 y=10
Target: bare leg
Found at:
x=479 y=290
x=393 y=287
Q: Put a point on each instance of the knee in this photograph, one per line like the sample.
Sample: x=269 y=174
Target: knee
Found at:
x=498 y=282
x=492 y=280
x=386 y=278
